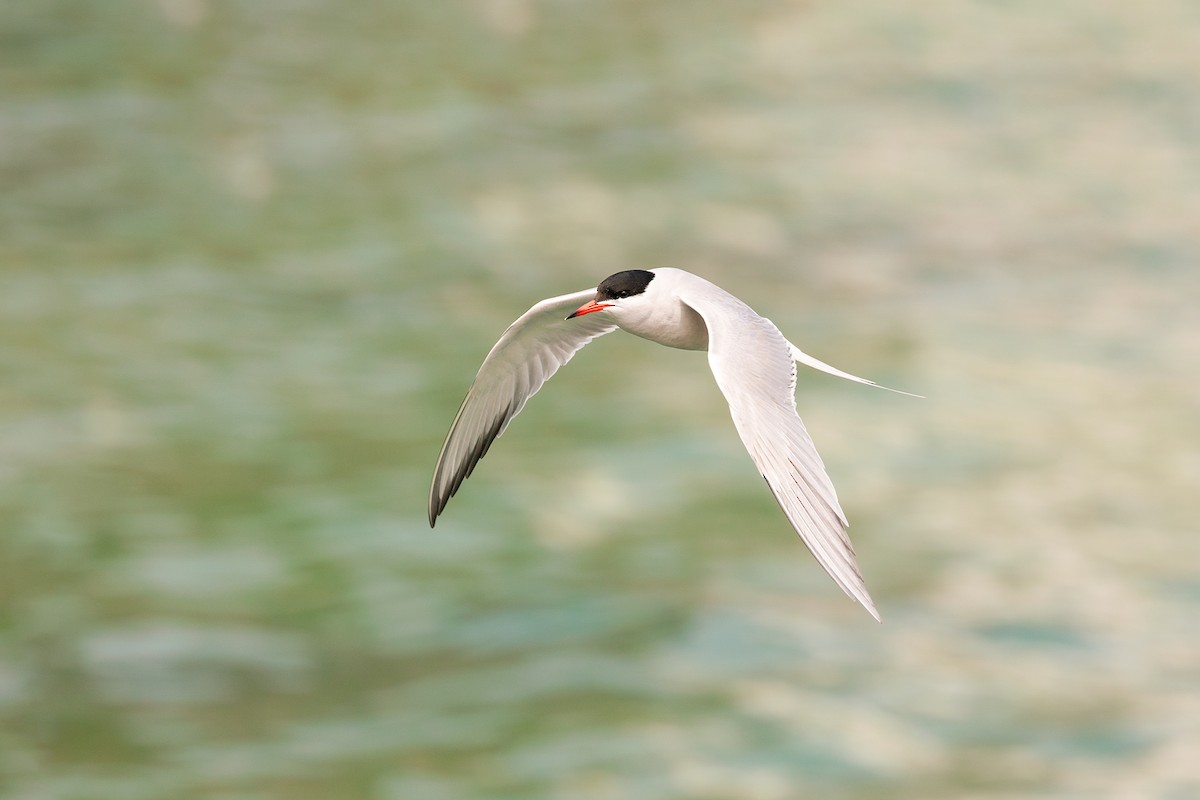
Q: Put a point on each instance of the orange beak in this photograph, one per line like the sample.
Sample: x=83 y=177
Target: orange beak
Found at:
x=588 y=308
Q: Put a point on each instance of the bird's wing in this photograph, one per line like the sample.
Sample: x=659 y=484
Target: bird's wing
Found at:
x=529 y=352
x=754 y=367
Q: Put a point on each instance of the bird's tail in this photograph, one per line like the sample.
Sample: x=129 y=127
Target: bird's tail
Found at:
x=804 y=358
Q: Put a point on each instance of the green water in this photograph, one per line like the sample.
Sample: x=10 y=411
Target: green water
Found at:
x=252 y=253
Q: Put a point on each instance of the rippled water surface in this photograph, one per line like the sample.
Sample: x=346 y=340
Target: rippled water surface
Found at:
x=252 y=253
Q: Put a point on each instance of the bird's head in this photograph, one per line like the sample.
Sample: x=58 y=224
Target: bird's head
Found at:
x=621 y=291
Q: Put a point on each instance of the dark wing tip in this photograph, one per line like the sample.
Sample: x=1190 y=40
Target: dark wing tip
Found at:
x=438 y=498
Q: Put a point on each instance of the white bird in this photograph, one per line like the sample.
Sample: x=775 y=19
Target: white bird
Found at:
x=754 y=366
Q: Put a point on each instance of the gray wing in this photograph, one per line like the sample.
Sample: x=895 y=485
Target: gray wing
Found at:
x=755 y=370
x=530 y=351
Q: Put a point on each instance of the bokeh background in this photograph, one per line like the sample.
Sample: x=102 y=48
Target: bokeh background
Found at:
x=253 y=252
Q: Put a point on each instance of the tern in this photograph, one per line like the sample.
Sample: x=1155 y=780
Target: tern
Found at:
x=752 y=362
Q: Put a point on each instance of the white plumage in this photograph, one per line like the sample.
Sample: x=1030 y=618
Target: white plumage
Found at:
x=754 y=366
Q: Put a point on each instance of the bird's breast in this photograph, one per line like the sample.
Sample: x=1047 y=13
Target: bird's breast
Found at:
x=673 y=324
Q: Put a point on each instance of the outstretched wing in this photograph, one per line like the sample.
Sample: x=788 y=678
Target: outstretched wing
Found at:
x=530 y=351
x=754 y=367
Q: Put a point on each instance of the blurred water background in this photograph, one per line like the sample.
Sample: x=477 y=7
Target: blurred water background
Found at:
x=251 y=254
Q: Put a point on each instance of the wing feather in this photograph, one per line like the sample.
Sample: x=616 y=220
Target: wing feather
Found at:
x=530 y=351
x=754 y=367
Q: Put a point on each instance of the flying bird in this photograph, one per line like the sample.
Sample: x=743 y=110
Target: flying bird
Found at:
x=752 y=362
